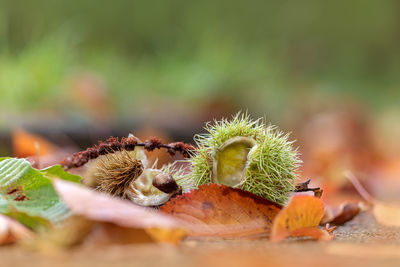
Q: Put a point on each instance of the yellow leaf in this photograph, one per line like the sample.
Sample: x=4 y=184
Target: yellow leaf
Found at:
x=387 y=214
x=166 y=235
x=302 y=214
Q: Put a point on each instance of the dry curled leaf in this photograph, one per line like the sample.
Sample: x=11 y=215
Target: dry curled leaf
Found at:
x=345 y=212
x=99 y=207
x=300 y=217
x=222 y=211
x=12 y=231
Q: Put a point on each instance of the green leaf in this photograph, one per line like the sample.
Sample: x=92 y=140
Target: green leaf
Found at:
x=27 y=194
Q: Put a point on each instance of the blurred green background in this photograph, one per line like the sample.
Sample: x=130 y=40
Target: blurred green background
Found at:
x=178 y=63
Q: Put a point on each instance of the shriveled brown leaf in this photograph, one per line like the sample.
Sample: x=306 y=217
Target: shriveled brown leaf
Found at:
x=12 y=231
x=300 y=217
x=99 y=207
x=345 y=213
x=222 y=211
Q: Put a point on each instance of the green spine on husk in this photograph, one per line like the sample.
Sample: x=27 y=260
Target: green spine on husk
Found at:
x=271 y=165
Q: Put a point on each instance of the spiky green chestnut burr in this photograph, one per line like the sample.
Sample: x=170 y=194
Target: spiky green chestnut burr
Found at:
x=246 y=154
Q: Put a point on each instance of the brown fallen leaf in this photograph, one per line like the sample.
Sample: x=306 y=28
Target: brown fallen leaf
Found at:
x=345 y=213
x=99 y=207
x=222 y=211
x=385 y=213
x=12 y=231
x=300 y=217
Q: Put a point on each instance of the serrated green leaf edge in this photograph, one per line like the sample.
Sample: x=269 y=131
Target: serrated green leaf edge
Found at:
x=43 y=206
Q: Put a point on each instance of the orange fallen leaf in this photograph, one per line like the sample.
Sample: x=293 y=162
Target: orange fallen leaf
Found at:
x=222 y=211
x=26 y=144
x=385 y=213
x=300 y=217
x=12 y=231
x=99 y=207
x=165 y=235
x=313 y=232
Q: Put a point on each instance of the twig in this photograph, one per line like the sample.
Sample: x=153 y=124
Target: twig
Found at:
x=37 y=147
x=360 y=189
x=113 y=144
x=303 y=187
